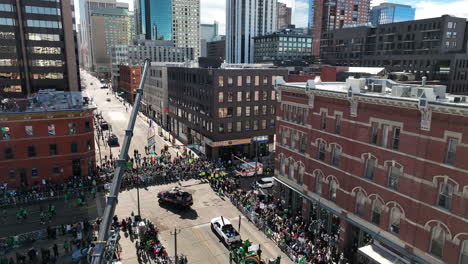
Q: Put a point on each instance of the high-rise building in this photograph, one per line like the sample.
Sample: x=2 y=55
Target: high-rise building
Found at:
x=245 y=20
x=86 y=8
x=284 y=16
x=186 y=24
x=389 y=13
x=208 y=32
x=154 y=19
x=329 y=15
x=109 y=27
x=216 y=48
x=39 y=49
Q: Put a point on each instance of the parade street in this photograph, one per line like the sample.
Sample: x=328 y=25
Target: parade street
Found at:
x=196 y=240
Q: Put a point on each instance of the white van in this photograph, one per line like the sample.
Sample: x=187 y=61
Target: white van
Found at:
x=265 y=183
x=248 y=169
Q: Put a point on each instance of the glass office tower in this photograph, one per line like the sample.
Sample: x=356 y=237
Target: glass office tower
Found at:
x=387 y=13
x=154 y=19
x=302 y=14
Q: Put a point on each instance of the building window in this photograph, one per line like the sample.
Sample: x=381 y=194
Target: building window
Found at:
x=222 y=112
x=323 y=121
x=272 y=109
x=8 y=153
x=300 y=178
x=255 y=125
x=53 y=150
x=247 y=125
x=55 y=169
x=303 y=144
x=89 y=145
x=376 y=212
x=51 y=129
x=282 y=165
x=395 y=217
x=247 y=111
x=221 y=128
x=239 y=111
x=239 y=80
x=256 y=110
x=335 y=156
x=437 y=242
x=247 y=80
x=73 y=147
x=71 y=128
x=220 y=81
x=375 y=130
x=338 y=124
x=396 y=138
x=332 y=191
x=6 y=133
x=393 y=177
x=34 y=172
x=464 y=253
x=230 y=81
x=31 y=151
x=264 y=109
x=229 y=127
x=263 y=124
x=87 y=126
x=229 y=97
x=360 y=204
x=273 y=95
x=318 y=183
x=451 y=151
x=239 y=96
x=444 y=199
x=321 y=151
x=220 y=97
x=257 y=80
x=247 y=96
x=291 y=170
x=28 y=130
x=265 y=79
x=369 y=170
x=292 y=139
x=256 y=96
x=264 y=95
x=238 y=126
x=385 y=129
x=11 y=174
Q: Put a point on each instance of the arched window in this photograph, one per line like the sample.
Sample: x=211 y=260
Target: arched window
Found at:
x=283 y=165
x=376 y=211
x=395 y=217
x=369 y=169
x=291 y=170
x=437 y=241
x=318 y=183
x=394 y=174
x=464 y=252
x=360 y=203
x=444 y=199
x=300 y=178
x=332 y=191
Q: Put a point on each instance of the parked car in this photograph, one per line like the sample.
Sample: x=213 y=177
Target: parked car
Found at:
x=175 y=196
x=224 y=229
x=248 y=169
x=264 y=183
x=113 y=141
x=104 y=125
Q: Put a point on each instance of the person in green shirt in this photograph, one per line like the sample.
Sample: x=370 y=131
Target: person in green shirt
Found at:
x=66 y=246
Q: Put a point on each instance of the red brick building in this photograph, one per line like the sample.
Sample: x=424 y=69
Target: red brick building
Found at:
x=387 y=169
x=129 y=81
x=48 y=141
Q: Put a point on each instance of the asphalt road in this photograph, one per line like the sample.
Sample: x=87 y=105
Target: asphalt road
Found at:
x=195 y=240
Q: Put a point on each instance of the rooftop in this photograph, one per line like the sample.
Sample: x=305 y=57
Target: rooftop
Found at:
x=49 y=100
x=386 y=5
x=383 y=88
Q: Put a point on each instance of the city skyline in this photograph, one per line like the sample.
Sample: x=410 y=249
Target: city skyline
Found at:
x=216 y=10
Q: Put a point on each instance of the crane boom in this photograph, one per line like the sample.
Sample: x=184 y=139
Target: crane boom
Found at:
x=99 y=250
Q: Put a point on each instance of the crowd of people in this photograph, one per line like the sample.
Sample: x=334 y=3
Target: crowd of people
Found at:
x=302 y=240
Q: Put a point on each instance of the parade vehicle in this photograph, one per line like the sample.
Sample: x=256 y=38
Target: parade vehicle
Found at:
x=176 y=196
x=223 y=228
x=248 y=169
x=265 y=183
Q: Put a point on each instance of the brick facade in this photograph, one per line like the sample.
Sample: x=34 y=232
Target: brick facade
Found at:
x=70 y=127
x=129 y=81
x=419 y=158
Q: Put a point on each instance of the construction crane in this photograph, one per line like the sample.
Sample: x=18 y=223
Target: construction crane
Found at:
x=105 y=246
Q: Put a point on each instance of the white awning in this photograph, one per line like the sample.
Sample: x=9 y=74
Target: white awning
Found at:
x=381 y=255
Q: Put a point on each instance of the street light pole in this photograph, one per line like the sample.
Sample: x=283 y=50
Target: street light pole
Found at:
x=175 y=244
x=138 y=185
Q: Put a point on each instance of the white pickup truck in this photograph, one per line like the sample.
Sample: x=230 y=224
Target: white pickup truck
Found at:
x=223 y=228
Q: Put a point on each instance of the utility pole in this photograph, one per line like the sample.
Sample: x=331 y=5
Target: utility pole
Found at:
x=239 y=223
x=138 y=184
x=175 y=244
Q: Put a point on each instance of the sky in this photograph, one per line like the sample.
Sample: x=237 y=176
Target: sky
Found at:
x=212 y=10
